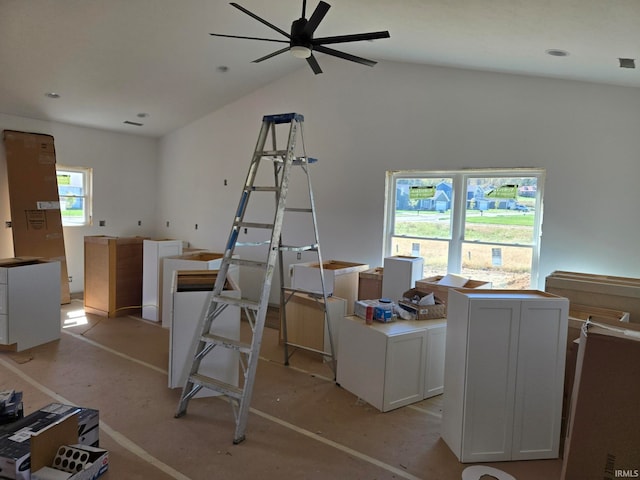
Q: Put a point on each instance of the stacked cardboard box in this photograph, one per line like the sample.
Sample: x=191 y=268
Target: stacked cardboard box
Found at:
x=603 y=437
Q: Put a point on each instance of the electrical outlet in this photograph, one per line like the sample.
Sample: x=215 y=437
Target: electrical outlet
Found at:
x=139 y=222
x=70 y=279
x=7 y=224
x=102 y=223
x=167 y=223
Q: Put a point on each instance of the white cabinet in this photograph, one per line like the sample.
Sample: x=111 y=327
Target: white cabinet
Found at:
x=390 y=365
x=153 y=251
x=29 y=302
x=504 y=373
x=190 y=299
x=199 y=260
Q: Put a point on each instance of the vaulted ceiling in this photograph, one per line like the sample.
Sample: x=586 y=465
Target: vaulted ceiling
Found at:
x=112 y=61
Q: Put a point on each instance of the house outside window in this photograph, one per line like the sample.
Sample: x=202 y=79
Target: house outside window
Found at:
x=482 y=224
x=74 y=191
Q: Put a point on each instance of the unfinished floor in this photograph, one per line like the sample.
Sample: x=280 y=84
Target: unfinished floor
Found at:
x=302 y=425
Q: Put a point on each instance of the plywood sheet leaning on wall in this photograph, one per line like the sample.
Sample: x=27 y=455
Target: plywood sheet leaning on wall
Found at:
x=36 y=222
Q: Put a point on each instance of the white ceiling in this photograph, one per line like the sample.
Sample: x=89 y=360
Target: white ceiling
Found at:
x=112 y=59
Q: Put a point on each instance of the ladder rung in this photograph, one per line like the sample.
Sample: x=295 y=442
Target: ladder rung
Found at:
x=248 y=263
x=301 y=248
x=217 y=385
x=255 y=225
x=283 y=118
x=314 y=294
x=267 y=188
x=253 y=244
x=272 y=153
x=227 y=342
x=241 y=302
x=300 y=210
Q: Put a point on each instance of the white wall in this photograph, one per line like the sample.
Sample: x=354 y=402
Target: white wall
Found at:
x=124 y=175
x=361 y=122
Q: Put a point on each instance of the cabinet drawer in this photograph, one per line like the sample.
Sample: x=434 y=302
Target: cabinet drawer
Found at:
x=4 y=275
x=4 y=300
x=4 y=330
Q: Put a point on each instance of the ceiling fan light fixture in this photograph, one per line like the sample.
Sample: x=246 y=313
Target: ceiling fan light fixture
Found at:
x=300 y=51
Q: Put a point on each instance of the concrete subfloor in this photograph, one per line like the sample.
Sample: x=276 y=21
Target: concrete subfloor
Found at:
x=302 y=425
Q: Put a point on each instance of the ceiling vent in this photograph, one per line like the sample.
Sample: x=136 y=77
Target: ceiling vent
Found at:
x=135 y=124
x=627 y=63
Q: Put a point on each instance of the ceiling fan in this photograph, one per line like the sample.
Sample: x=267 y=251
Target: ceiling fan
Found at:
x=301 y=41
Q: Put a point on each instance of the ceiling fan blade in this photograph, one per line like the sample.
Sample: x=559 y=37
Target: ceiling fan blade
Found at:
x=277 y=52
x=357 y=37
x=313 y=63
x=316 y=17
x=345 y=56
x=261 y=20
x=249 y=38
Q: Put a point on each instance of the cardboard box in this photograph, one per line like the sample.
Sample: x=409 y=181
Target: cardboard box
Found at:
x=370 y=284
x=36 y=222
x=422 y=312
x=400 y=274
x=430 y=284
x=340 y=279
x=603 y=438
x=16 y=439
x=97 y=463
x=619 y=293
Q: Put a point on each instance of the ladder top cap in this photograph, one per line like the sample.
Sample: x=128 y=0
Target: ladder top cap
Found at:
x=283 y=118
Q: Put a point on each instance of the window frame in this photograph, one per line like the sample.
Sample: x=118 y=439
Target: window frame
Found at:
x=87 y=188
x=456 y=239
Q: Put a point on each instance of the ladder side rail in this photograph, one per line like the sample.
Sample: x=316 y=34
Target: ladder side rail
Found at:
x=252 y=364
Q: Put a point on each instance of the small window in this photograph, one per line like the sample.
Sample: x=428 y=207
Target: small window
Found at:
x=74 y=190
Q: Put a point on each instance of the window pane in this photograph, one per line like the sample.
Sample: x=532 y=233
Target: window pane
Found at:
x=73 y=193
x=503 y=266
x=423 y=207
x=500 y=210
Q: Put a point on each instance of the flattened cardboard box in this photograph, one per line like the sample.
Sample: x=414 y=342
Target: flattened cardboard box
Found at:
x=603 y=439
x=36 y=223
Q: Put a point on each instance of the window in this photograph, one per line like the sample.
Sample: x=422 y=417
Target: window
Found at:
x=74 y=190
x=482 y=224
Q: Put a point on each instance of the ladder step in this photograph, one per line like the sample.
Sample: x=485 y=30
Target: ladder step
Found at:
x=248 y=263
x=267 y=188
x=230 y=343
x=301 y=248
x=268 y=226
x=216 y=385
x=240 y=302
x=314 y=294
x=299 y=210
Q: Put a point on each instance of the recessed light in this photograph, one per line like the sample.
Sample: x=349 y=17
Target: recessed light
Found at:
x=52 y=95
x=555 y=52
x=222 y=68
x=142 y=115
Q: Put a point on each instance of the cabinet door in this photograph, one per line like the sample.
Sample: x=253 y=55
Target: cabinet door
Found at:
x=404 y=372
x=434 y=368
x=540 y=376
x=490 y=380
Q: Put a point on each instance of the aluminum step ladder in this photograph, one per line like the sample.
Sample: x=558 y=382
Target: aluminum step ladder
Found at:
x=266 y=240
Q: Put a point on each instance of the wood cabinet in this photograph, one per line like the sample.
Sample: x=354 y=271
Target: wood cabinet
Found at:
x=504 y=373
x=112 y=275
x=29 y=302
x=306 y=322
x=390 y=365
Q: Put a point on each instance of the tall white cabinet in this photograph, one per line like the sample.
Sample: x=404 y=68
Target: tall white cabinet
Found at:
x=153 y=251
x=504 y=373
